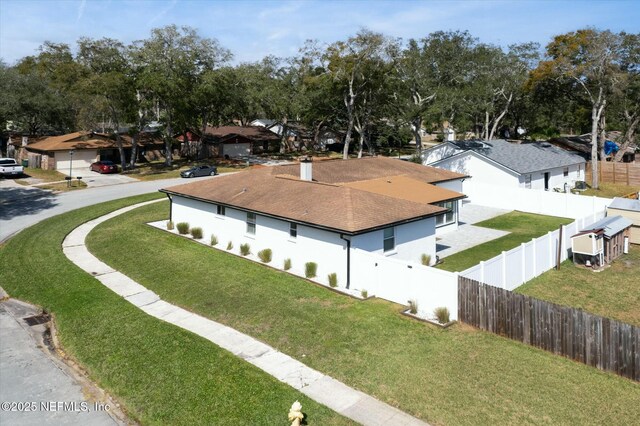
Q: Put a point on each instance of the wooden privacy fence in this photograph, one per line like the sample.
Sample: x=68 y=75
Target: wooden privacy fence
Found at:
x=593 y=340
x=613 y=172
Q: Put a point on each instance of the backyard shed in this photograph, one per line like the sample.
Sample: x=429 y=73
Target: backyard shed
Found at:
x=630 y=209
x=600 y=243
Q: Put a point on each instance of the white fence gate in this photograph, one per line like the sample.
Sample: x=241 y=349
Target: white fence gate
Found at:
x=401 y=281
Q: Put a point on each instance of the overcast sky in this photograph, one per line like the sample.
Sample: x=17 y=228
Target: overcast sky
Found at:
x=254 y=29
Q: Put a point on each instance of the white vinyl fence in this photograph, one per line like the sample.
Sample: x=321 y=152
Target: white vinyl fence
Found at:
x=515 y=267
x=401 y=281
x=534 y=200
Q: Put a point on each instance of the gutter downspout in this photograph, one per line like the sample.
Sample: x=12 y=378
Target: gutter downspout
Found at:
x=348 y=240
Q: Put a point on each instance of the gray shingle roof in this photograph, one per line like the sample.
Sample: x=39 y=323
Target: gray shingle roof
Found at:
x=625 y=204
x=524 y=157
x=611 y=225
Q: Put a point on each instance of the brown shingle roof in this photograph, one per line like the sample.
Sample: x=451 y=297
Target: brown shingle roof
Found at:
x=335 y=171
x=256 y=133
x=405 y=188
x=78 y=140
x=351 y=208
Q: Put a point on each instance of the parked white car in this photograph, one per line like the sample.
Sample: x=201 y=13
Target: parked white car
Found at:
x=9 y=167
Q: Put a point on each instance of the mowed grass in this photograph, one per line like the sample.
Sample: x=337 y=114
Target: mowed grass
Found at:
x=610 y=190
x=613 y=292
x=44 y=175
x=160 y=373
x=522 y=227
x=457 y=376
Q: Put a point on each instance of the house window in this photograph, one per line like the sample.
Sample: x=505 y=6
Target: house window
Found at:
x=566 y=171
x=527 y=181
x=448 y=217
x=389 y=239
x=251 y=223
x=293 y=230
x=220 y=210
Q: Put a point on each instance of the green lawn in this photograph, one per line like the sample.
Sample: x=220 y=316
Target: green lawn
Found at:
x=457 y=376
x=43 y=175
x=522 y=227
x=610 y=190
x=159 y=373
x=613 y=292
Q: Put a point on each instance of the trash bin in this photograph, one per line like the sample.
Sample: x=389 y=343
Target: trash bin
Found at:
x=25 y=163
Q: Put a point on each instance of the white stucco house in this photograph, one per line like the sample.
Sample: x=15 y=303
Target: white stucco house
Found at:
x=322 y=211
x=536 y=165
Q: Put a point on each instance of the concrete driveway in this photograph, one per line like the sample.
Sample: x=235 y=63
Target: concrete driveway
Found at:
x=94 y=179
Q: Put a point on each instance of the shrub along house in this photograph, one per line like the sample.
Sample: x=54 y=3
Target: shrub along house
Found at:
x=320 y=212
x=501 y=163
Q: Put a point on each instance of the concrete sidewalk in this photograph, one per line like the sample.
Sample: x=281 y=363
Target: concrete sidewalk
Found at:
x=336 y=395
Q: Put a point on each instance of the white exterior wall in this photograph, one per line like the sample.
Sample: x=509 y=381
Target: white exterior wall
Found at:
x=398 y=277
x=453 y=185
x=481 y=170
x=82 y=160
x=557 y=179
x=311 y=245
x=412 y=240
x=437 y=153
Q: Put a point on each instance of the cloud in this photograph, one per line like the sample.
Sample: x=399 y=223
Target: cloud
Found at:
x=161 y=14
x=81 y=7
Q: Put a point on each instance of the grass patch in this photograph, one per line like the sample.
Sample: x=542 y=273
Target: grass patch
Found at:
x=458 y=376
x=610 y=190
x=44 y=175
x=522 y=227
x=613 y=292
x=64 y=186
x=160 y=373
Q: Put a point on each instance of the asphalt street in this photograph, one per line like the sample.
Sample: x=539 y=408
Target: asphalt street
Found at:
x=21 y=207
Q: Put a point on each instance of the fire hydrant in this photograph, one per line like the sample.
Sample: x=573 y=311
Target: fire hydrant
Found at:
x=295 y=414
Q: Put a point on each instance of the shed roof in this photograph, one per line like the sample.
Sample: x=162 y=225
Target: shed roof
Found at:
x=625 y=204
x=521 y=157
x=610 y=226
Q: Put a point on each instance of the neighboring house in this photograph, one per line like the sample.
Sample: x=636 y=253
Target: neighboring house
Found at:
x=629 y=209
x=320 y=212
x=600 y=243
x=498 y=162
x=88 y=147
x=581 y=145
x=240 y=141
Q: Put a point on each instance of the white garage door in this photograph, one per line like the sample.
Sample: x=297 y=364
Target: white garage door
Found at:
x=236 y=149
x=82 y=160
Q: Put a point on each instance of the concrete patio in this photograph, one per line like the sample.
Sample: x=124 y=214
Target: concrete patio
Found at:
x=469 y=235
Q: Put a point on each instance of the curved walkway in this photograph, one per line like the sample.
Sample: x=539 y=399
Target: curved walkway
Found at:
x=334 y=394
